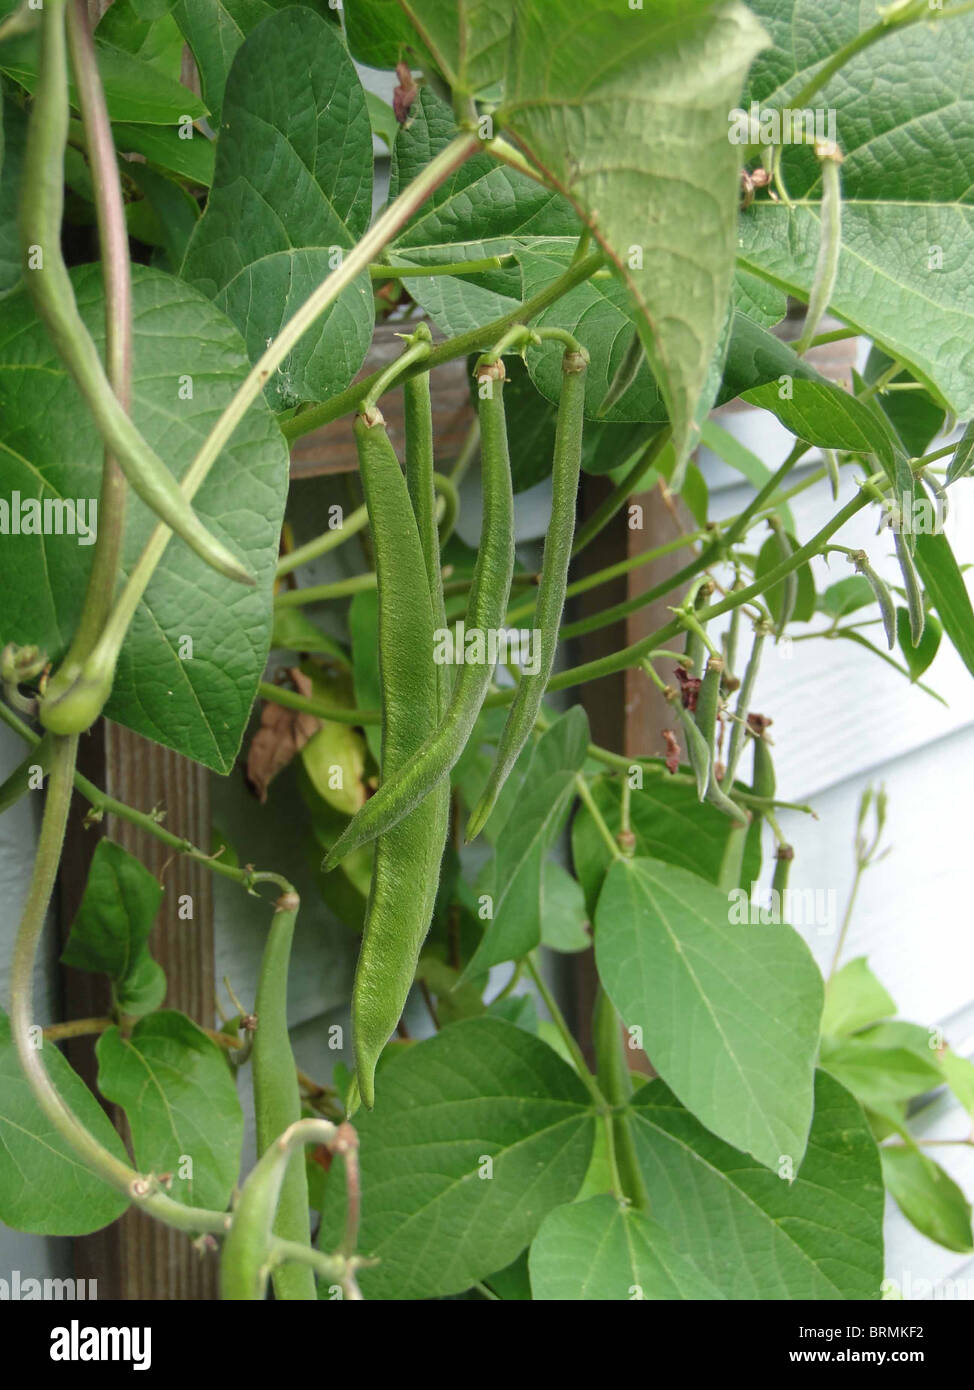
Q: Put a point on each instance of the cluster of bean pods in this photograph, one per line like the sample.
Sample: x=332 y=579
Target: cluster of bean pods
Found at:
x=425 y=724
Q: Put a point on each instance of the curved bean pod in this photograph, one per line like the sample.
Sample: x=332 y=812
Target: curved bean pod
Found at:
x=41 y=207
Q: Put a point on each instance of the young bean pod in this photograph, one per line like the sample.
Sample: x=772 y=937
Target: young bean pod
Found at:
x=47 y=279
x=277 y=1099
x=745 y=694
x=883 y=596
x=708 y=701
x=554 y=580
x=830 y=243
x=405 y=868
x=489 y=595
x=911 y=583
x=782 y=868
x=246 y=1259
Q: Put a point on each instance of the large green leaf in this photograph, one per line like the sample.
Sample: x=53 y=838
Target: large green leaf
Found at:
x=44 y=1186
x=907 y=221
x=928 y=1197
x=637 y=140
x=600 y=313
x=854 y=998
x=669 y=823
x=164 y=146
x=483 y=209
x=757 y=1235
x=377 y=31
x=110 y=932
x=214 y=30
x=156 y=41
x=604 y=1250
x=885 y=1064
x=467 y=42
x=49 y=450
x=748 y=998
x=180 y=1100
x=13 y=130
x=135 y=89
x=292 y=190
x=822 y=414
x=482 y=1097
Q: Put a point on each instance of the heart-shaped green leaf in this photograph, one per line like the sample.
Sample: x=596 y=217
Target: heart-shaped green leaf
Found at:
x=292 y=190
x=190 y=664
x=812 y=1232
x=44 y=1186
x=110 y=932
x=907 y=231
x=604 y=1250
x=180 y=1100
x=476 y=1135
x=638 y=142
x=748 y=997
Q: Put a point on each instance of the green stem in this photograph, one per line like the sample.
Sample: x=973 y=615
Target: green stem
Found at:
x=328 y=540
x=114 y=1171
x=847 y=918
x=582 y=787
x=307 y=704
x=558 y=1019
x=389 y=376
x=629 y=656
x=605 y=576
x=848 y=51
x=479 y=338
x=108 y=805
x=467 y=453
x=740 y=524
x=321 y=593
x=405 y=272
x=615 y=1083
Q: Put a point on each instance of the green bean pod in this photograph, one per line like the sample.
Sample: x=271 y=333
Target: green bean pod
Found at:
x=829 y=247
x=41 y=208
x=277 y=1099
x=405 y=869
x=782 y=868
x=489 y=595
x=789 y=585
x=247 y=1256
x=883 y=596
x=551 y=590
x=698 y=751
x=763 y=781
x=744 y=696
x=911 y=583
x=708 y=700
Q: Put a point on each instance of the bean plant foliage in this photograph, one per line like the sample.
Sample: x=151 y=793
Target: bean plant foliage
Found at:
x=598 y=208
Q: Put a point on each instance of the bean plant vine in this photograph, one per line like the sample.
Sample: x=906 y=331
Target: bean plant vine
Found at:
x=192 y=282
